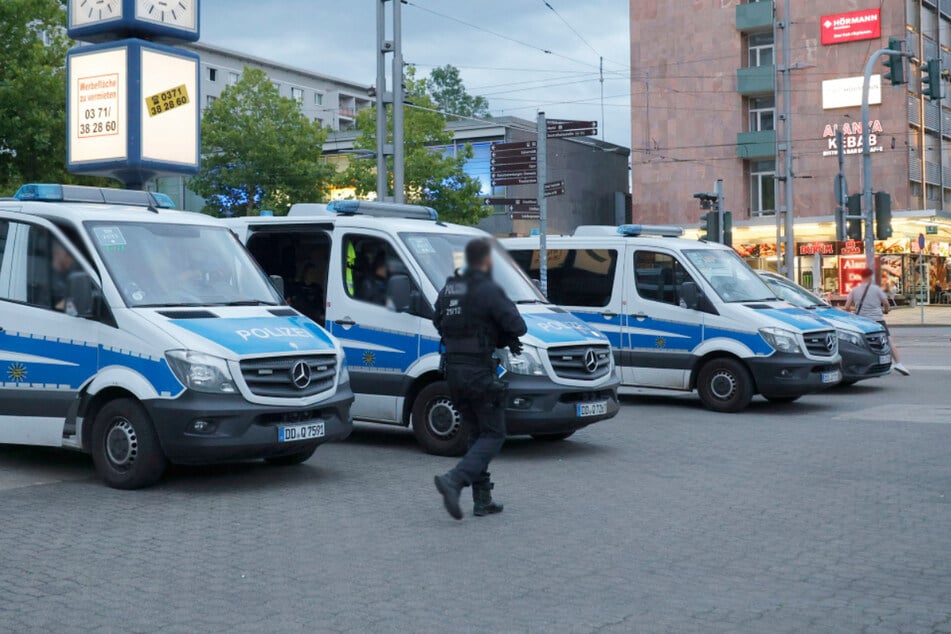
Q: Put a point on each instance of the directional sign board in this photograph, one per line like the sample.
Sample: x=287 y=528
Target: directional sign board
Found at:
x=509 y=201
x=560 y=129
x=516 y=180
x=555 y=188
x=520 y=145
x=514 y=163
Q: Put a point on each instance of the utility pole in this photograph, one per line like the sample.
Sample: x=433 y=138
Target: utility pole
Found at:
x=718 y=190
x=786 y=229
x=393 y=97
x=542 y=203
x=601 y=72
x=399 y=151
x=841 y=190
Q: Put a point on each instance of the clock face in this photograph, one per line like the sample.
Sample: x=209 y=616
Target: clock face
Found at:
x=177 y=13
x=94 y=11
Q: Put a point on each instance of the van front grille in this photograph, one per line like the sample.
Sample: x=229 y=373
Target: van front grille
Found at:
x=290 y=377
x=822 y=343
x=581 y=363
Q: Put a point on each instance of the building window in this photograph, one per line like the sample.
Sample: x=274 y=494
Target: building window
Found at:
x=211 y=99
x=761 y=49
x=212 y=74
x=319 y=121
x=762 y=114
x=277 y=85
x=233 y=78
x=762 y=186
x=318 y=98
x=298 y=94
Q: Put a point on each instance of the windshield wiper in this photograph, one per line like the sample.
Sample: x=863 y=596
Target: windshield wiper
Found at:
x=521 y=302
x=246 y=302
x=173 y=305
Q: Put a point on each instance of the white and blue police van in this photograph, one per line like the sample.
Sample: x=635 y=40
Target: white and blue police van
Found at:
x=685 y=315
x=144 y=336
x=371 y=272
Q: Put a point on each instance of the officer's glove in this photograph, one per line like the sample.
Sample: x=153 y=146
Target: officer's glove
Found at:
x=515 y=347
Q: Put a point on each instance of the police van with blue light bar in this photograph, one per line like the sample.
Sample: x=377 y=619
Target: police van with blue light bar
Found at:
x=685 y=315
x=371 y=272
x=144 y=336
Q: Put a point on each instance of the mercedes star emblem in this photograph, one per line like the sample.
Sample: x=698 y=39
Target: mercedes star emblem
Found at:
x=300 y=375
x=830 y=342
x=591 y=361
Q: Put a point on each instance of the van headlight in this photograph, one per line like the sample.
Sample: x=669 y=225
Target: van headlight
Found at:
x=781 y=339
x=343 y=372
x=529 y=362
x=201 y=372
x=852 y=337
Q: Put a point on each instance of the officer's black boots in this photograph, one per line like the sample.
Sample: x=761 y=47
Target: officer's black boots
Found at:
x=450 y=488
x=482 y=500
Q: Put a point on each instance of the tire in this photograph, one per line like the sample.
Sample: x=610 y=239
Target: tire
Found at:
x=553 y=437
x=437 y=424
x=781 y=400
x=125 y=448
x=291 y=459
x=725 y=385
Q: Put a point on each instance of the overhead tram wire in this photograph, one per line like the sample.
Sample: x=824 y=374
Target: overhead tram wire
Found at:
x=497 y=34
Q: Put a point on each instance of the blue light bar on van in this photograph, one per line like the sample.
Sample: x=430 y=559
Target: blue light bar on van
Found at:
x=51 y=192
x=382 y=210
x=665 y=231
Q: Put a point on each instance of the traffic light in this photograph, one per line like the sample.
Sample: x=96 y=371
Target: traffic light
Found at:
x=728 y=228
x=853 y=229
x=896 y=64
x=710 y=226
x=931 y=84
x=883 y=216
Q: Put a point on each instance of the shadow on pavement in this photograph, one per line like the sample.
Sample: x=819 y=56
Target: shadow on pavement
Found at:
x=242 y=476
x=759 y=405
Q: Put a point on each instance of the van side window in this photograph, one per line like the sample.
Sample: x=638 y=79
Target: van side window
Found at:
x=368 y=264
x=41 y=278
x=302 y=259
x=658 y=277
x=576 y=277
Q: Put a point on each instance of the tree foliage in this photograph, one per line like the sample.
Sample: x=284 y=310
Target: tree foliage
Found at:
x=434 y=173
x=449 y=93
x=32 y=92
x=259 y=151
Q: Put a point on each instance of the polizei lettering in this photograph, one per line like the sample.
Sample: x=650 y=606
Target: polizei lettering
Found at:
x=274 y=333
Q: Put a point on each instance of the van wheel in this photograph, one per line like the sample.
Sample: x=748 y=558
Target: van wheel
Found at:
x=125 y=448
x=725 y=385
x=437 y=423
x=291 y=459
x=553 y=437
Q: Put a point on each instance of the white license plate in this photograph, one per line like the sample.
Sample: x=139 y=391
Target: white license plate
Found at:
x=598 y=408
x=294 y=433
x=831 y=377
x=885 y=358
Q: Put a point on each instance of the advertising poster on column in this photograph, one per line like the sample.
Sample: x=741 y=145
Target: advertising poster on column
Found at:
x=170 y=108
x=98 y=122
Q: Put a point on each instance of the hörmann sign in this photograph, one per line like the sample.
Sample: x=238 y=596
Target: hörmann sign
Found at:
x=855 y=26
x=852 y=137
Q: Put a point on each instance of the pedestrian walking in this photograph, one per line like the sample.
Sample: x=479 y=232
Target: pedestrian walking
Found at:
x=870 y=301
x=474 y=318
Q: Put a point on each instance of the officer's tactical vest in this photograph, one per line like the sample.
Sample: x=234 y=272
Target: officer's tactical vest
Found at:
x=462 y=332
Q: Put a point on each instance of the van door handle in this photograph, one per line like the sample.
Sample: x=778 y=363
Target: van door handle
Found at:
x=640 y=316
x=608 y=315
x=346 y=321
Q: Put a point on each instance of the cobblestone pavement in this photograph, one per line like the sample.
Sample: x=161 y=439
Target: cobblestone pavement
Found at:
x=832 y=514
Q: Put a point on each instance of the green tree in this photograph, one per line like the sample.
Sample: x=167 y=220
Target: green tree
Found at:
x=449 y=93
x=259 y=151
x=32 y=92
x=434 y=176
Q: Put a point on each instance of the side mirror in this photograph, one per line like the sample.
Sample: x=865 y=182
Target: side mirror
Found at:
x=399 y=292
x=421 y=307
x=690 y=294
x=82 y=295
x=278 y=282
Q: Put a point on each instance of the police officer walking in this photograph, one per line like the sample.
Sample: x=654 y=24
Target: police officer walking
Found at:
x=474 y=318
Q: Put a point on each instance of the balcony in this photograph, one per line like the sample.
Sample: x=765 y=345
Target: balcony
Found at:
x=756 y=145
x=756 y=80
x=754 y=16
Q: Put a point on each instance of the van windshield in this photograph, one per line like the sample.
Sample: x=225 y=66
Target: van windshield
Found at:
x=160 y=264
x=439 y=255
x=730 y=277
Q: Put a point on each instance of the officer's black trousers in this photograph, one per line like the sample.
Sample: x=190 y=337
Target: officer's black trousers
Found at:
x=472 y=388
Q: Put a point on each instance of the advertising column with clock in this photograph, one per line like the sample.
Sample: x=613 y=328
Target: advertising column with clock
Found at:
x=132 y=98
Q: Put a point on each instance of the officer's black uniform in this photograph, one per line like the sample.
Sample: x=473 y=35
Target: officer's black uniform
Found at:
x=474 y=317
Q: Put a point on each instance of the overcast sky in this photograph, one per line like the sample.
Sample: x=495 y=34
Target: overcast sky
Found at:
x=337 y=38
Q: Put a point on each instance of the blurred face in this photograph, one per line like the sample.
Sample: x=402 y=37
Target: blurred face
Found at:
x=61 y=259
